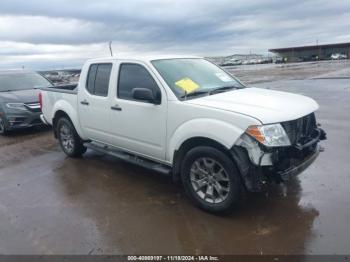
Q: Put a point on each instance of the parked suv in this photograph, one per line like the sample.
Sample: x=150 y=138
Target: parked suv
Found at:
x=187 y=118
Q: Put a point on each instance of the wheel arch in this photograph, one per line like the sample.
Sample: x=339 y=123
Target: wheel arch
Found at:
x=220 y=131
x=58 y=114
x=191 y=143
x=66 y=107
x=62 y=113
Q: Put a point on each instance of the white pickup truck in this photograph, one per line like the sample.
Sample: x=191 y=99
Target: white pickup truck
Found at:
x=187 y=118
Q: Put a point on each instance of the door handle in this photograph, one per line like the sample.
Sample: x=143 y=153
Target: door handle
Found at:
x=116 y=108
x=86 y=103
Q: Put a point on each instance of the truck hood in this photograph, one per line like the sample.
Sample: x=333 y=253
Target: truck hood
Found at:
x=268 y=106
x=20 y=96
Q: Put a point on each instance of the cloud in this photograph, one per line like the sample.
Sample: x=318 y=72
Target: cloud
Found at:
x=49 y=33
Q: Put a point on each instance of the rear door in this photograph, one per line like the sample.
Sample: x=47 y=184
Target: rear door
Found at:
x=93 y=102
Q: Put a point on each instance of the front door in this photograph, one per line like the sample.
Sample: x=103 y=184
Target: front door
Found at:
x=139 y=126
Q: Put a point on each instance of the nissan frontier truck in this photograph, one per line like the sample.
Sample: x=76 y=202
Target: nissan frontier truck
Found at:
x=189 y=119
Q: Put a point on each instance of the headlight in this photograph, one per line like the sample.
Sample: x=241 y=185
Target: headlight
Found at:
x=19 y=106
x=269 y=135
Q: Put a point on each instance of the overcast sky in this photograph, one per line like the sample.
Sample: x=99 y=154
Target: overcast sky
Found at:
x=63 y=33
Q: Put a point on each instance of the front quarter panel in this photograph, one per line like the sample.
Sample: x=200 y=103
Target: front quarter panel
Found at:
x=189 y=121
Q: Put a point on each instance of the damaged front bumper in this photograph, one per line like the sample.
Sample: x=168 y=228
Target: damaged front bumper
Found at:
x=299 y=166
x=259 y=164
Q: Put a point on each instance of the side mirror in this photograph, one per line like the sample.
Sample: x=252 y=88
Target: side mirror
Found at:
x=144 y=94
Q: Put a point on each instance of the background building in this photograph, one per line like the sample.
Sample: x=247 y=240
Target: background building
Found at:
x=315 y=52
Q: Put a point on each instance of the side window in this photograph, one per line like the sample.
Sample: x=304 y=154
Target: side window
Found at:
x=98 y=79
x=134 y=76
x=90 y=83
x=102 y=79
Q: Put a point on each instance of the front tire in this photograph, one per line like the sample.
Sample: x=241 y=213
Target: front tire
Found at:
x=211 y=180
x=69 y=139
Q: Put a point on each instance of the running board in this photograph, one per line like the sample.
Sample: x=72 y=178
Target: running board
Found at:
x=149 y=164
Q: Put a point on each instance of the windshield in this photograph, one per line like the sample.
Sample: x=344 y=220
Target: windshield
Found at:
x=22 y=81
x=191 y=76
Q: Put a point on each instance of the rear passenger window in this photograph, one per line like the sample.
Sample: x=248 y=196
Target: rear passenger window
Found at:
x=98 y=79
x=90 y=84
x=134 y=76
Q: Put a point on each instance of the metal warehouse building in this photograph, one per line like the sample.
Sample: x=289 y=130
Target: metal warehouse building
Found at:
x=309 y=53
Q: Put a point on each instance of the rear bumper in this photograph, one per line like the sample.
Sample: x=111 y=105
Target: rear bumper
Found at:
x=43 y=119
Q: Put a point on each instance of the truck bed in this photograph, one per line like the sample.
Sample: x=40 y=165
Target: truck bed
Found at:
x=57 y=96
x=70 y=89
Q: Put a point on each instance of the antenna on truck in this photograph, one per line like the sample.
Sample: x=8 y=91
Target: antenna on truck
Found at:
x=110 y=47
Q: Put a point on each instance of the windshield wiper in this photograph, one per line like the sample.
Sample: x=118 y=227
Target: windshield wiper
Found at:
x=222 y=89
x=201 y=92
x=195 y=93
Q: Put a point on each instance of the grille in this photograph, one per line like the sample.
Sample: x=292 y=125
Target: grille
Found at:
x=300 y=130
x=35 y=107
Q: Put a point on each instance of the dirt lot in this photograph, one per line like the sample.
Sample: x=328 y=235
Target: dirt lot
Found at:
x=50 y=204
x=293 y=71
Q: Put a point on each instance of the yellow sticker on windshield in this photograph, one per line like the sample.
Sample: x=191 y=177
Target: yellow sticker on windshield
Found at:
x=187 y=85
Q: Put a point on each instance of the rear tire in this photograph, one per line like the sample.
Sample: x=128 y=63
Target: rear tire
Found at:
x=69 y=140
x=3 y=130
x=211 y=180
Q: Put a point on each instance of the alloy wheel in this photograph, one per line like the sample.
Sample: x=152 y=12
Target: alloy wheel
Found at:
x=210 y=180
x=67 y=138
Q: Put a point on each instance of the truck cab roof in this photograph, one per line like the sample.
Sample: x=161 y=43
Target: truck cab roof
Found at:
x=140 y=58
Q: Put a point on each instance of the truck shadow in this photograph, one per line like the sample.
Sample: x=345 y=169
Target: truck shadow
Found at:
x=129 y=205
